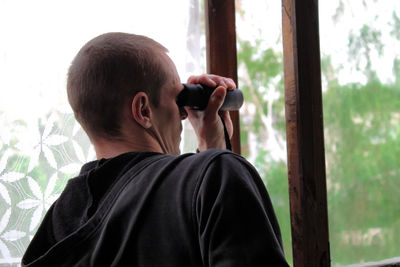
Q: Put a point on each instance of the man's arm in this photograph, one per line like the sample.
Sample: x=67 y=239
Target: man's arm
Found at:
x=236 y=222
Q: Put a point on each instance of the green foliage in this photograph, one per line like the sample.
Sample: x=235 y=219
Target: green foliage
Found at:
x=361 y=44
x=396 y=71
x=277 y=184
x=362 y=144
x=263 y=71
x=396 y=26
x=263 y=75
x=362 y=137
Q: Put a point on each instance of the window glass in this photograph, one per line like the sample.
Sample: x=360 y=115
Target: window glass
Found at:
x=361 y=94
x=41 y=144
x=262 y=117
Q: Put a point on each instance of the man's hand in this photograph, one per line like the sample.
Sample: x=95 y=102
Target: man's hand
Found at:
x=207 y=123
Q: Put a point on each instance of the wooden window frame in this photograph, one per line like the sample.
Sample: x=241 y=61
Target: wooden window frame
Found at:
x=221 y=49
x=303 y=97
x=304 y=119
x=305 y=133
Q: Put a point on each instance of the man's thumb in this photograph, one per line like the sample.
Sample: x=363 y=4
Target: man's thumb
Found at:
x=217 y=98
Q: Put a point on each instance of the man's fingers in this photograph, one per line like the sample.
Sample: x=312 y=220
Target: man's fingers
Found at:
x=213 y=81
x=216 y=100
x=225 y=115
x=193 y=114
x=203 y=79
x=214 y=104
x=228 y=121
x=230 y=84
x=207 y=124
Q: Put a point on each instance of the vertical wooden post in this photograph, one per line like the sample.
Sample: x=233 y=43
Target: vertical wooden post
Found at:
x=305 y=137
x=221 y=49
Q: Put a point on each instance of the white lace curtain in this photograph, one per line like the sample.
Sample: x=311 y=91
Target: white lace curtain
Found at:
x=41 y=144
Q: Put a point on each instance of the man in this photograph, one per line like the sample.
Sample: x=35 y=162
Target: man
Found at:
x=141 y=203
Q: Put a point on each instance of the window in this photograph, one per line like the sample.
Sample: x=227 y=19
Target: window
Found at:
x=41 y=144
x=360 y=67
x=262 y=117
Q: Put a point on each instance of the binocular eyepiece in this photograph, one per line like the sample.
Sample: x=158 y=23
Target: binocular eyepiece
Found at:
x=196 y=96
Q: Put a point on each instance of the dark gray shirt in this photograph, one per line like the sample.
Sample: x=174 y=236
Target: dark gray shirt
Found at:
x=150 y=209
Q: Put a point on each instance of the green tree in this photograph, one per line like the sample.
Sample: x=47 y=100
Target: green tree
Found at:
x=362 y=130
x=263 y=126
x=362 y=141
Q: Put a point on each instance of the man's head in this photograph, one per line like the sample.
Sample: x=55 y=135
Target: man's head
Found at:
x=112 y=73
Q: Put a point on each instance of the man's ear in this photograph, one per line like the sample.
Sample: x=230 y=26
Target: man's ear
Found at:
x=141 y=110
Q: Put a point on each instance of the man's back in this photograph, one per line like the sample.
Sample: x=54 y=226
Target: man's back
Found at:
x=152 y=209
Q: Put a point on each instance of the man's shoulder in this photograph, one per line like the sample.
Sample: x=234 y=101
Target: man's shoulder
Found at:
x=218 y=154
x=191 y=169
x=223 y=166
x=227 y=158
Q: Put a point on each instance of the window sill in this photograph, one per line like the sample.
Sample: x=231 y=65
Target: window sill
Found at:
x=384 y=263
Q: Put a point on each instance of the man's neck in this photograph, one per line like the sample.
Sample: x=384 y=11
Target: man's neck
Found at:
x=109 y=149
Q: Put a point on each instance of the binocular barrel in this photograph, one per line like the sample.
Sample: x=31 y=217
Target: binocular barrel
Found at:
x=196 y=96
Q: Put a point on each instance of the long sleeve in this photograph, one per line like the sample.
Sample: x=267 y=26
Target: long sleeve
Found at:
x=236 y=222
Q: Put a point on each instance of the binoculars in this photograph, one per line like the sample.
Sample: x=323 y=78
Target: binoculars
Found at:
x=196 y=96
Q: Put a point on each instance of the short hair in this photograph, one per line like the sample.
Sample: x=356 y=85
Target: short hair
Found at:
x=107 y=73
